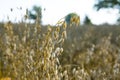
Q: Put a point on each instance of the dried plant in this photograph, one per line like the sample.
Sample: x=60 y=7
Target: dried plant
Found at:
x=35 y=52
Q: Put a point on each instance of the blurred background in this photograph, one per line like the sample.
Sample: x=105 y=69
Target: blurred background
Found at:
x=96 y=11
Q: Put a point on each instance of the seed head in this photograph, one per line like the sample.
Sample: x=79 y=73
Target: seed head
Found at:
x=64 y=25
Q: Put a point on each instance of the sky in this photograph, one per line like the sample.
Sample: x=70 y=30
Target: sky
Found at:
x=56 y=9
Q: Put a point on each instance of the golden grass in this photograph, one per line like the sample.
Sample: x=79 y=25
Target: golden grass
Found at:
x=34 y=52
x=30 y=52
x=7 y=78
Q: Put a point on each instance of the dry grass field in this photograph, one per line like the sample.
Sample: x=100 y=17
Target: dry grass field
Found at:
x=34 y=52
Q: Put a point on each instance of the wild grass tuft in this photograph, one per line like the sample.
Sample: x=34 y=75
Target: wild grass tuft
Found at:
x=34 y=52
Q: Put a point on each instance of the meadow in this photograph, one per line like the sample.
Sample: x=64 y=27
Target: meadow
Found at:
x=35 y=52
